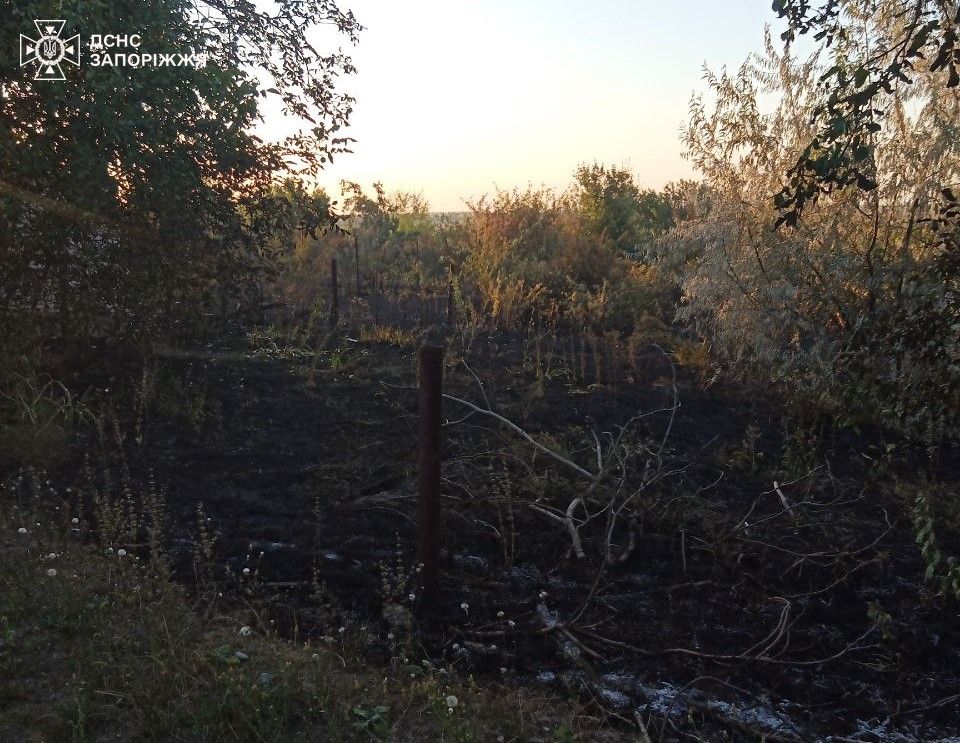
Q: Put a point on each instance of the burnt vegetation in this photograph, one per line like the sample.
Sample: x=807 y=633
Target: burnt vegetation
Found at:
x=699 y=445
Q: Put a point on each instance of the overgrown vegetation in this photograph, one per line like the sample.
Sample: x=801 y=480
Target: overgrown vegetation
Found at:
x=851 y=310
x=700 y=443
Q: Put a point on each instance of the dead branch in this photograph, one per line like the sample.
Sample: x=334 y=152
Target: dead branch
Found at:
x=523 y=434
x=738 y=658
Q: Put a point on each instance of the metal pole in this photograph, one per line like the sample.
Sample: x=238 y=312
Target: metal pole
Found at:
x=334 y=305
x=428 y=465
x=356 y=262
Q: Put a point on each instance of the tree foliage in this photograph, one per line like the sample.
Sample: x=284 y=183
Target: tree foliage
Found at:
x=851 y=309
x=877 y=48
x=615 y=208
x=130 y=197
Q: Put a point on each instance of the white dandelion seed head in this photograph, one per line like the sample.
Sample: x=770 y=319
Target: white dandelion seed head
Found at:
x=246 y=571
x=246 y=631
x=74 y=520
x=452 y=701
x=22 y=530
x=499 y=615
x=52 y=556
x=52 y=572
x=121 y=552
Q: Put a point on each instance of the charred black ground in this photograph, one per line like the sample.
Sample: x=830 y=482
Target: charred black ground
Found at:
x=796 y=610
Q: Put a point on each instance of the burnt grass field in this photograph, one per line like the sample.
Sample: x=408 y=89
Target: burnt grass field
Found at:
x=766 y=582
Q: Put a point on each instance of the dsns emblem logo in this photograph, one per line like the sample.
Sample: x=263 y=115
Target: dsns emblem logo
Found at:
x=48 y=51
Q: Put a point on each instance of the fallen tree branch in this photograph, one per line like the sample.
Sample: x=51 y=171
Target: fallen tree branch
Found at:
x=523 y=434
x=733 y=658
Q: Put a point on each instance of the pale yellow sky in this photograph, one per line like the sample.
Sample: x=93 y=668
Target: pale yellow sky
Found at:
x=456 y=98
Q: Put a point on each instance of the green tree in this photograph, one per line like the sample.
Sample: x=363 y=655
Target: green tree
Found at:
x=877 y=49
x=129 y=196
x=849 y=308
x=615 y=208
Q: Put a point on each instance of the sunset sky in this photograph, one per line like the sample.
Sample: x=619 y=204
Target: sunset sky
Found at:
x=455 y=98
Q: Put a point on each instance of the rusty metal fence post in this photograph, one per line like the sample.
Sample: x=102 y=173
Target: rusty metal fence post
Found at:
x=356 y=262
x=334 y=299
x=428 y=466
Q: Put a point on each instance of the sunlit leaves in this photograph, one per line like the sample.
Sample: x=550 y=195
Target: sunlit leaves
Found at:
x=850 y=111
x=857 y=306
